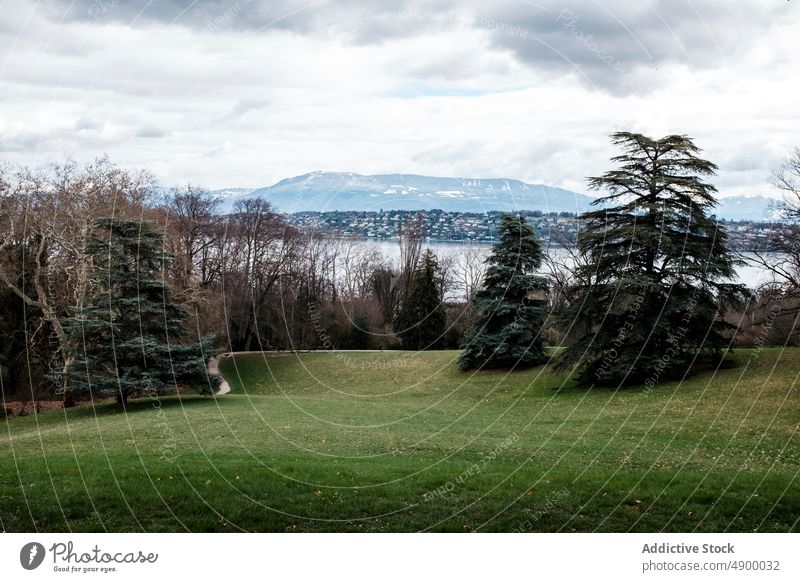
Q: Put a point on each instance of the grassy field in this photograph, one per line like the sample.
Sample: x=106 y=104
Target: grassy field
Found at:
x=401 y=441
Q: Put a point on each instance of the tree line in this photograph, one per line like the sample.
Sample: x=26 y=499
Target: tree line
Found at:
x=95 y=263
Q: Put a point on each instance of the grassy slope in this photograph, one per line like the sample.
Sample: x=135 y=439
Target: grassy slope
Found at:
x=361 y=441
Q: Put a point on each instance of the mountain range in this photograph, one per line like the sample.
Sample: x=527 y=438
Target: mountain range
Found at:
x=346 y=191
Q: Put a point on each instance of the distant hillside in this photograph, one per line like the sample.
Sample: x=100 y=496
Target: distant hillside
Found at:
x=753 y=208
x=345 y=191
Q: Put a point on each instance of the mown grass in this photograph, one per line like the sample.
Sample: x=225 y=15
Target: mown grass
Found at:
x=400 y=441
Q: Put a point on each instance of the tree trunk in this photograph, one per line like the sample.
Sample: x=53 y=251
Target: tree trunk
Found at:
x=248 y=341
x=69 y=400
x=122 y=400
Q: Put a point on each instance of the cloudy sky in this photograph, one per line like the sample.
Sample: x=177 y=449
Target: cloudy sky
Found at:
x=226 y=93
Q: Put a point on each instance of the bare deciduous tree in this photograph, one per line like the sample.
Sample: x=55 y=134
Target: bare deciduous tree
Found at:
x=357 y=263
x=194 y=225
x=50 y=213
x=412 y=235
x=466 y=269
x=262 y=246
x=786 y=272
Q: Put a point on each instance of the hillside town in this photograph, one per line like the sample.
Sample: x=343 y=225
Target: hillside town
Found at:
x=553 y=228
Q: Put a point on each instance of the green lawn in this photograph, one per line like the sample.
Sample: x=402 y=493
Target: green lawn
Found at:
x=401 y=441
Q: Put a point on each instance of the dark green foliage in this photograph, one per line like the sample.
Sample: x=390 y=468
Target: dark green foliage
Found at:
x=422 y=319
x=24 y=355
x=128 y=337
x=13 y=343
x=510 y=308
x=650 y=295
x=359 y=336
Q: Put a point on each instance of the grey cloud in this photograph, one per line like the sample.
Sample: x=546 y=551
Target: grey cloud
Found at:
x=613 y=45
x=150 y=131
x=110 y=87
x=744 y=159
x=244 y=107
x=362 y=21
x=55 y=141
x=20 y=143
x=85 y=123
x=619 y=46
x=240 y=110
x=189 y=12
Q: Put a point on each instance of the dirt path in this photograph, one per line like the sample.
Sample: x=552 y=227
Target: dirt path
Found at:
x=213 y=368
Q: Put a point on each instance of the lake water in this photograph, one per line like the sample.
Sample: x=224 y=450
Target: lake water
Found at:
x=749 y=274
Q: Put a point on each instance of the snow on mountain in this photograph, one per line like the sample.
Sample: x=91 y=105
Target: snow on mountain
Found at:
x=232 y=192
x=328 y=191
x=323 y=191
x=229 y=196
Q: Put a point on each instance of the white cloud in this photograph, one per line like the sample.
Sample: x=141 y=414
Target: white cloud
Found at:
x=437 y=91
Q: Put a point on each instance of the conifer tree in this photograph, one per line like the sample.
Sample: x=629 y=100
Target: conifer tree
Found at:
x=128 y=337
x=422 y=320
x=511 y=307
x=657 y=269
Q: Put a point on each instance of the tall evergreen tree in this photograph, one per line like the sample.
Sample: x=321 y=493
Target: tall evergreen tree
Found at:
x=128 y=336
x=359 y=336
x=511 y=307
x=422 y=321
x=655 y=280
